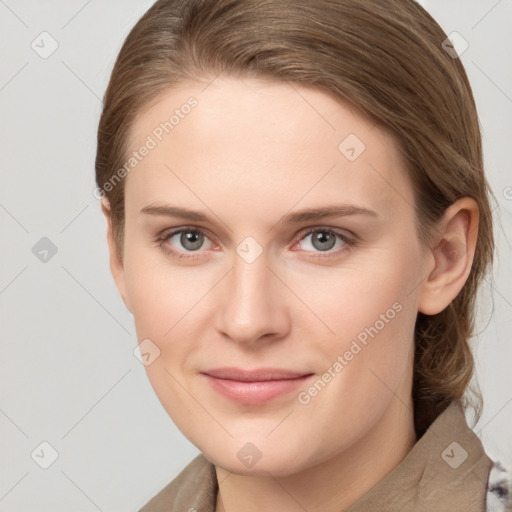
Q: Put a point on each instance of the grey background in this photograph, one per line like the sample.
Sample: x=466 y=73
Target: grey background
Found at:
x=68 y=375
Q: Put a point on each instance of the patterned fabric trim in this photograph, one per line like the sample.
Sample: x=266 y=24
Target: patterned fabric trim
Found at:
x=499 y=488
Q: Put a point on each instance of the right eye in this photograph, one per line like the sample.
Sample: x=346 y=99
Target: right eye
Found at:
x=191 y=239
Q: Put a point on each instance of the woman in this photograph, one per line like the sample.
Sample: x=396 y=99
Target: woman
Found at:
x=298 y=219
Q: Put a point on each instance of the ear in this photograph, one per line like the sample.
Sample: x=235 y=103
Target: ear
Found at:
x=116 y=264
x=453 y=252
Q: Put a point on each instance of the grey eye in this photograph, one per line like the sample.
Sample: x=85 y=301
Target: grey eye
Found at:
x=323 y=240
x=191 y=240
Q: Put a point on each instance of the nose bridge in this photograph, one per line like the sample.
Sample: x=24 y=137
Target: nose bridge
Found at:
x=252 y=305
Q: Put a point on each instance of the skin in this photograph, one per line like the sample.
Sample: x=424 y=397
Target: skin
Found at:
x=251 y=152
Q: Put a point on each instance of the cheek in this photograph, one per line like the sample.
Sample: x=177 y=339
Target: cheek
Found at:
x=165 y=306
x=348 y=300
x=161 y=295
x=373 y=314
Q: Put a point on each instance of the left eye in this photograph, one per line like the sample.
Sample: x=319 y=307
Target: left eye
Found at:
x=324 y=239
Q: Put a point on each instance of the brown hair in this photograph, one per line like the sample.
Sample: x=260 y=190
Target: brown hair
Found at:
x=386 y=59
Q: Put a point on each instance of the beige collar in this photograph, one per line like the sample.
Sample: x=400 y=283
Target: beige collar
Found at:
x=446 y=470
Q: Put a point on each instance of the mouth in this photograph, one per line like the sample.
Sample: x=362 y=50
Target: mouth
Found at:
x=254 y=387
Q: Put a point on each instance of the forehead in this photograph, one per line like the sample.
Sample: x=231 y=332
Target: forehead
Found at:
x=262 y=144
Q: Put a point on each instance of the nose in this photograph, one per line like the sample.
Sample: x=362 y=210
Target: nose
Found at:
x=252 y=303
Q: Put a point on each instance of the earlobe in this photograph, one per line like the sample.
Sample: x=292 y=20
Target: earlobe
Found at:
x=453 y=252
x=116 y=265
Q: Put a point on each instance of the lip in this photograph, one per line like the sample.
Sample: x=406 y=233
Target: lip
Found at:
x=254 y=387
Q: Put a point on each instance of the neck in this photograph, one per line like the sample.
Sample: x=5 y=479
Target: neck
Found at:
x=332 y=485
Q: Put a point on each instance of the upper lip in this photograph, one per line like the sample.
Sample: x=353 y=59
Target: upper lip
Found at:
x=257 y=375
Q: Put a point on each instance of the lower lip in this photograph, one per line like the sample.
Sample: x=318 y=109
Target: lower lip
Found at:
x=255 y=393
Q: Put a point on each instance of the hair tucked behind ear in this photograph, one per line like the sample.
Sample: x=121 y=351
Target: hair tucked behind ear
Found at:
x=386 y=59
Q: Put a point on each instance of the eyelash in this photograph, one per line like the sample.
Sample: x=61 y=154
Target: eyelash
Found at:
x=348 y=241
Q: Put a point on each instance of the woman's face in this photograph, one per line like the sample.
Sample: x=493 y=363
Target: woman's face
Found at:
x=253 y=279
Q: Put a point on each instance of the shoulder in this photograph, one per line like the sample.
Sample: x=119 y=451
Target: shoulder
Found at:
x=499 y=488
x=194 y=489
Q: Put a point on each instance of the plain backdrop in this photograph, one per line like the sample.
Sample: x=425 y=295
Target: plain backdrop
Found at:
x=68 y=375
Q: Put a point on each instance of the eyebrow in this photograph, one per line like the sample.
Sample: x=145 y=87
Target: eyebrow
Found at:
x=297 y=217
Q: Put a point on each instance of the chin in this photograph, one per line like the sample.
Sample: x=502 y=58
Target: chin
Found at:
x=276 y=467
x=248 y=460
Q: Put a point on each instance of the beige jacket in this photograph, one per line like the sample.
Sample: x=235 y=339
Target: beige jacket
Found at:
x=446 y=470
